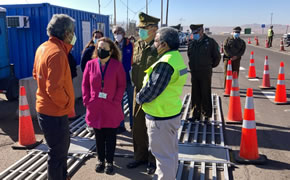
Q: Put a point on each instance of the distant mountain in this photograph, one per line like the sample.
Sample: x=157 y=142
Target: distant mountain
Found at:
x=256 y=28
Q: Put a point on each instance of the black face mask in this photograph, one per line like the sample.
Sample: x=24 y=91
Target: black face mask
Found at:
x=102 y=53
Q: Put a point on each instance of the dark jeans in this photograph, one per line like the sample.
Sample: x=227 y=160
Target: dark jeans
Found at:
x=106 y=143
x=129 y=90
x=57 y=136
x=270 y=39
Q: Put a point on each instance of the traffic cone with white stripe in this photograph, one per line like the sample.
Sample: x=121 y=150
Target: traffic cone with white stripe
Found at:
x=257 y=41
x=266 y=44
x=26 y=131
x=249 y=145
x=282 y=45
x=228 y=79
x=249 y=41
x=252 y=69
x=235 y=110
x=266 y=76
x=281 y=96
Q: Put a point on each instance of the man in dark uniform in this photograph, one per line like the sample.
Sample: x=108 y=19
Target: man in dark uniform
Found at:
x=143 y=57
x=234 y=48
x=203 y=53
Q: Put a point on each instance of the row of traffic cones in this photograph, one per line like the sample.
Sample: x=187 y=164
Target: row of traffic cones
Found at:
x=282 y=48
x=280 y=95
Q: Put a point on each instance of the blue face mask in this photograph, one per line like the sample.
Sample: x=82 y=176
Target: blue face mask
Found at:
x=143 y=33
x=236 y=35
x=196 y=36
x=95 y=41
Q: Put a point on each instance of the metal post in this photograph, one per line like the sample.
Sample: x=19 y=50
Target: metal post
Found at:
x=271 y=18
x=99 y=7
x=115 y=13
x=161 y=12
x=167 y=12
x=146 y=6
x=127 y=17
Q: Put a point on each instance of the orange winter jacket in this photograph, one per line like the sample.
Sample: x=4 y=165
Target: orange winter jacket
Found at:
x=55 y=93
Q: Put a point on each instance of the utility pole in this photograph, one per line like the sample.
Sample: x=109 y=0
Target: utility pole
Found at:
x=271 y=18
x=146 y=6
x=127 y=17
x=167 y=12
x=99 y=6
x=115 y=13
x=161 y=12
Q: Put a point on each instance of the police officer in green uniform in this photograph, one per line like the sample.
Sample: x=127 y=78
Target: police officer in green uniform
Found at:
x=143 y=57
x=203 y=53
x=234 y=48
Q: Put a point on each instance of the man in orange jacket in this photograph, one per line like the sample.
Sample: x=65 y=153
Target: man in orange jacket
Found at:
x=55 y=94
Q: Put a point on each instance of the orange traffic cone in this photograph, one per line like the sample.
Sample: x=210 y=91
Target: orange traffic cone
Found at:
x=235 y=110
x=26 y=130
x=249 y=145
x=266 y=44
x=266 y=76
x=228 y=79
x=282 y=45
x=252 y=69
x=257 y=41
x=249 y=41
x=281 y=96
x=222 y=48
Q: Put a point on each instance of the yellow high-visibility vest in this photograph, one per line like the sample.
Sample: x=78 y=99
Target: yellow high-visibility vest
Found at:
x=168 y=103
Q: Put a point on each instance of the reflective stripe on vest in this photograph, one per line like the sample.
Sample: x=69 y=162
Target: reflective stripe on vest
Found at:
x=249 y=124
x=168 y=103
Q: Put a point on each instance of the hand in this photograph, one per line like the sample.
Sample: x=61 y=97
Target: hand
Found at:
x=234 y=58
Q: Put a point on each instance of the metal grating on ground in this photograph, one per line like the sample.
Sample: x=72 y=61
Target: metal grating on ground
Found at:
x=34 y=164
x=202 y=150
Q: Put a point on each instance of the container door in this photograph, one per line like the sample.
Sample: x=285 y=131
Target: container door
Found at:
x=86 y=28
x=4 y=61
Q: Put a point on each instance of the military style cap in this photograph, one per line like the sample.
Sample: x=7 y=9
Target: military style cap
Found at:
x=237 y=29
x=177 y=27
x=196 y=27
x=146 y=20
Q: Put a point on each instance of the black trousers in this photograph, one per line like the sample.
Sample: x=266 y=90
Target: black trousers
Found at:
x=270 y=39
x=57 y=136
x=106 y=143
x=201 y=93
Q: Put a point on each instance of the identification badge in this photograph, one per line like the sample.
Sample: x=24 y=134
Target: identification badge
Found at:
x=103 y=95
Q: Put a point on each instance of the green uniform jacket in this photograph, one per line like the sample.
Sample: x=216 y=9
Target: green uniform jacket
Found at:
x=234 y=47
x=143 y=58
x=203 y=54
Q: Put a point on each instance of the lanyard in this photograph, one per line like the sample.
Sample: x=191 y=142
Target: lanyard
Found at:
x=103 y=72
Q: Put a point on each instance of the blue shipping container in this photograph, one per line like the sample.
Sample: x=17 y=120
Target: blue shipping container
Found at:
x=23 y=42
x=4 y=60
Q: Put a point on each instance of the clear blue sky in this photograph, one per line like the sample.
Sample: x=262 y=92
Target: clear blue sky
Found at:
x=186 y=12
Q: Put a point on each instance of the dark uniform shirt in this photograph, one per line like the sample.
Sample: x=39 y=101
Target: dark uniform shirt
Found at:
x=234 y=47
x=203 y=54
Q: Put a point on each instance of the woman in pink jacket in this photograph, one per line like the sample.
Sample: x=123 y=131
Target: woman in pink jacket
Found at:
x=103 y=86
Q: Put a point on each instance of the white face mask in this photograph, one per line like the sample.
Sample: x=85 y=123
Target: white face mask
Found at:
x=118 y=37
x=74 y=39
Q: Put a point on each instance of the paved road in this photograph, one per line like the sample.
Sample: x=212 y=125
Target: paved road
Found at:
x=272 y=126
x=273 y=121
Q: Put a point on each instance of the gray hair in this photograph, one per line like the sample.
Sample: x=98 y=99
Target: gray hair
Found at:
x=59 y=25
x=170 y=36
x=118 y=28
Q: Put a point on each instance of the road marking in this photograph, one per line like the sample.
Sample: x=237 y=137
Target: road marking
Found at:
x=269 y=94
x=242 y=68
x=287 y=110
x=254 y=79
